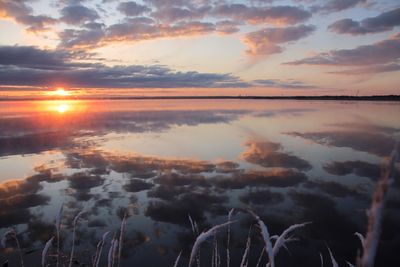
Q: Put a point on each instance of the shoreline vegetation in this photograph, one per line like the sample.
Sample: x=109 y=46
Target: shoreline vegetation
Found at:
x=272 y=243
x=322 y=97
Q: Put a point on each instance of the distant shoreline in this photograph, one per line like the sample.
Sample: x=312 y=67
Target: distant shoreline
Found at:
x=327 y=97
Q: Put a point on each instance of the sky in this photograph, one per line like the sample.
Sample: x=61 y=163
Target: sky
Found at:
x=200 y=47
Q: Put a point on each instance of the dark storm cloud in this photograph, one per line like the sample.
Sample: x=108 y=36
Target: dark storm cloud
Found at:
x=268 y=154
x=76 y=14
x=22 y=13
x=132 y=8
x=43 y=67
x=284 y=84
x=383 y=52
x=383 y=22
x=374 y=143
x=268 y=41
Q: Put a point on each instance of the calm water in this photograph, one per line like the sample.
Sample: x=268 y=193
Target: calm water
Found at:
x=161 y=161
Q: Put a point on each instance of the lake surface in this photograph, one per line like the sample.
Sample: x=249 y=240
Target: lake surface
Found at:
x=161 y=161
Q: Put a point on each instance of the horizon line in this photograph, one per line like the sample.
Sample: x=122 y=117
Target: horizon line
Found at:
x=320 y=97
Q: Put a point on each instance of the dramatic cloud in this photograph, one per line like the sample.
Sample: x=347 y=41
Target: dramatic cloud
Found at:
x=383 y=52
x=44 y=67
x=227 y=26
x=268 y=41
x=22 y=13
x=383 y=22
x=132 y=8
x=77 y=14
x=337 y=5
x=29 y=57
x=283 y=15
x=166 y=19
x=289 y=84
x=382 y=56
x=369 y=70
x=88 y=36
x=172 y=14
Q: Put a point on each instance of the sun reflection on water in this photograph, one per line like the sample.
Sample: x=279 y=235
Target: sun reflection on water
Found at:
x=62 y=108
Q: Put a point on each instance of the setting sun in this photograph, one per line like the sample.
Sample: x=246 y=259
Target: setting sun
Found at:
x=61 y=92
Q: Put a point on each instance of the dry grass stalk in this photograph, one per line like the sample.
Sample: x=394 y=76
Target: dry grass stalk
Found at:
x=266 y=237
x=46 y=250
x=203 y=237
x=121 y=236
x=177 y=259
x=321 y=259
x=245 y=257
x=99 y=250
x=228 y=259
x=260 y=257
x=111 y=252
x=375 y=213
x=58 y=227
x=334 y=262
x=282 y=239
x=73 y=237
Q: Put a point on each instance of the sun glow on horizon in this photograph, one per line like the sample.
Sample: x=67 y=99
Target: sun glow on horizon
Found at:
x=60 y=91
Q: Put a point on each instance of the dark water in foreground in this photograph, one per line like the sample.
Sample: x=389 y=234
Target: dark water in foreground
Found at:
x=161 y=161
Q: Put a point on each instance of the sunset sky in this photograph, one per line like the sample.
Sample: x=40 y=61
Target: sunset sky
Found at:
x=200 y=47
